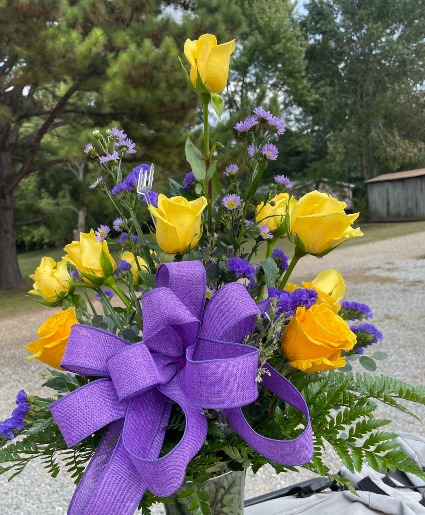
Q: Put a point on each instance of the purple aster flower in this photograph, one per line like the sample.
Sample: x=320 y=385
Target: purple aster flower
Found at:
x=188 y=181
x=117 y=223
x=240 y=267
x=231 y=202
x=128 y=143
x=231 y=169
x=102 y=233
x=123 y=238
x=247 y=223
x=109 y=157
x=116 y=133
x=355 y=310
x=270 y=151
x=124 y=266
x=367 y=334
x=251 y=150
x=283 y=180
x=75 y=274
x=247 y=124
x=136 y=239
x=281 y=259
x=107 y=293
x=88 y=148
x=262 y=113
x=277 y=124
x=96 y=182
x=17 y=419
x=265 y=232
x=152 y=196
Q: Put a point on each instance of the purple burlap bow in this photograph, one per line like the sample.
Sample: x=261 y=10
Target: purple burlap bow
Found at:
x=188 y=355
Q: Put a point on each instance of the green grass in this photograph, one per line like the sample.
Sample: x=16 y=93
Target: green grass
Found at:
x=19 y=302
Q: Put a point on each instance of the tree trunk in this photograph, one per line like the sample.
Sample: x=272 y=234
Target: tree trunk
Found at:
x=10 y=275
x=81 y=227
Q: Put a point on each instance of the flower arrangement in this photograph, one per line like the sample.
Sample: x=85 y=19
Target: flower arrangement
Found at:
x=207 y=359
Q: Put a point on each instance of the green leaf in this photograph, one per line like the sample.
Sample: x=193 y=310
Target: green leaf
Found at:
x=186 y=492
x=106 y=264
x=211 y=170
x=216 y=145
x=380 y=355
x=217 y=104
x=367 y=363
x=177 y=190
x=196 y=161
x=271 y=271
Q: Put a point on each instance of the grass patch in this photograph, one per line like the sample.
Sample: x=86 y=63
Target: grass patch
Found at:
x=20 y=302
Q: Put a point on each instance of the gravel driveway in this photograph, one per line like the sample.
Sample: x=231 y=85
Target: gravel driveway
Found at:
x=389 y=276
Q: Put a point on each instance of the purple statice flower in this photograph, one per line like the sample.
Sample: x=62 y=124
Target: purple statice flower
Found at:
x=288 y=302
x=75 y=274
x=283 y=181
x=152 y=196
x=109 y=157
x=128 y=144
x=367 y=334
x=136 y=239
x=356 y=310
x=247 y=124
x=17 y=419
x=117 y=223
x=116 y=133
x=305 y=297
x=123 y=238
x=270 y=151
x=240 y=267
x=231 y=201
x=281 y=258
x=124 y=266
x=277 y=124
x=130 y=182
x=265 y=232
x=107 y=293
x=102 y=233
x=96 y=182
x=88 y=147
x=231 y=169
x=251 y=150
x=188 y=181
x=262 y=113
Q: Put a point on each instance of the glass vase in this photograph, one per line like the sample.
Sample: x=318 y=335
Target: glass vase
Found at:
x=226 y=496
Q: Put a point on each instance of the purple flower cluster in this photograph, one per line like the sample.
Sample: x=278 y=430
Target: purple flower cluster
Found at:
x=128 y=144
x=367 y=334
x=270 y=151
x=288 y=302
x=247 y=124
x=355 y=310
x=131 y=180
x=265 y=232
x=152 y=196
x=96 y=182
x=109 y=157
x=251 y=150
x=102 y=233
x=240 y=267
x=231 y=201
x=88 y=147
x=283 y=181
x=124 y=266
x=281 y=258
x=231 y=169
x=259 y=112
x=17 y=419
x=189 y=181
x=108 y=293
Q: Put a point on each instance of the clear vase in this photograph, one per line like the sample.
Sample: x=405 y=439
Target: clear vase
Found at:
x=226 y=496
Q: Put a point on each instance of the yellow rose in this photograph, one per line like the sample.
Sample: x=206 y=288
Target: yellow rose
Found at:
x=178 y=222
x=210 y=60
x=50 y=279
x=322 y=297
x=274 y=215
x=315 y=338
x=332 y=283
x=54 y=334
x=130 y=258
x=91 y=258
x=318 y=223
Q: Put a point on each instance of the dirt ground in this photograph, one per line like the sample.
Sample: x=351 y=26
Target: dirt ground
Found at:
x=389 y=276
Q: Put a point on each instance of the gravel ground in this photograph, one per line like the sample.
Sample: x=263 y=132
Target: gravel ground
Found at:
x=389 y=276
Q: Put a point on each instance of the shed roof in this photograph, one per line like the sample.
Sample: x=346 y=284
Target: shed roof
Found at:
x=398 y=175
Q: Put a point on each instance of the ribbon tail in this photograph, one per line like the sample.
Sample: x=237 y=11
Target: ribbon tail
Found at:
x=285 y=452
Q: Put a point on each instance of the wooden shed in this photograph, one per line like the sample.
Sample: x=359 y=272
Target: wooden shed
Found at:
x=397 y=197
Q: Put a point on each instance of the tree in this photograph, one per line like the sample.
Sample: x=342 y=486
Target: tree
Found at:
x=75 y=63
x=366 y=61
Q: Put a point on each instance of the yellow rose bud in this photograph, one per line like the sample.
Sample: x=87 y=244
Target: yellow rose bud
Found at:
x=315 y=338
x=319 y=223
x=332 y=283
x=54 y=334
x=210 y=61
x=131 y=258
x=178 y=222
x=50 y=279
x=274 y=212
x=91 y=258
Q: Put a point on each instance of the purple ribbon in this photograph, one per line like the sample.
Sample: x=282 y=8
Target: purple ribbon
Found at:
x=188 y=355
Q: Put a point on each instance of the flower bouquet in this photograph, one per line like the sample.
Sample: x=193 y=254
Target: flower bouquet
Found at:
x=185 y=353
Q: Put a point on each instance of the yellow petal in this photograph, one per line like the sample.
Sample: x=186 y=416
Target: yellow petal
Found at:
x=203 y=48
x=217 y=67
x=190 y=51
